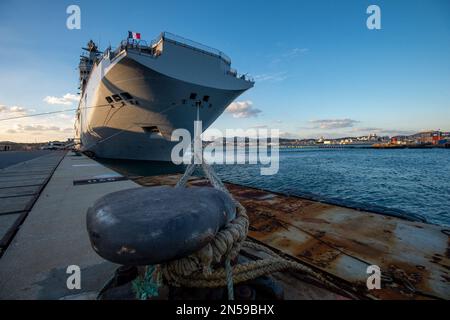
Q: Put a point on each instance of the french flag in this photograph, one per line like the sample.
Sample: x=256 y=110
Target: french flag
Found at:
x=134 y=35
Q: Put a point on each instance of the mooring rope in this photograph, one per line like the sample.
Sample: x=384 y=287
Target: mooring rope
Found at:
x=210 y=267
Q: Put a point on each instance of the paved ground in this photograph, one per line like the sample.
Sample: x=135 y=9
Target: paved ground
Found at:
x=54 y=236
x=9 y=158
x=20 y=186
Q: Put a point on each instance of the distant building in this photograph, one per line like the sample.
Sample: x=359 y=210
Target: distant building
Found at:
x=14 y=146
x=53 y=145
x=428 y=137
x=5 y=147
x=401 y=140
x=421 y=138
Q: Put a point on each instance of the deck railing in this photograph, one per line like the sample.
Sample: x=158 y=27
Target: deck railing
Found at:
x=195 y=45
x=167 y=36
x=143 y=47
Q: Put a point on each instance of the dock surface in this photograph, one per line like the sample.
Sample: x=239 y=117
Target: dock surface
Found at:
x=10 y=158
x=338 y=242
x=53 y=236
x=341 y=243
x=21 y=181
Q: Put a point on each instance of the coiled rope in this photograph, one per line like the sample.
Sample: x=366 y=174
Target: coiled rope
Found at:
x=210 y=267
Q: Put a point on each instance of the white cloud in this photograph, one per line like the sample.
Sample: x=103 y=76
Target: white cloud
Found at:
x=332 y=123
x=295 y=52
x=284 y=59
x=383 y=132
x=14 y=127
x=66 y=117
x=68 y=130
x=272 y=77
x=366 y=129
x=243 y=109
x=36 y=127
x=67 y=99
x=40 y=128
x=17 y=109
x=12 y=111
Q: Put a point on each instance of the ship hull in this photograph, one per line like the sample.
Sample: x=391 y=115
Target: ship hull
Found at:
x=151 y=106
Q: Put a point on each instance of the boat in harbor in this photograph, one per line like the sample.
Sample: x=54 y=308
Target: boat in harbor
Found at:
x=133 y=97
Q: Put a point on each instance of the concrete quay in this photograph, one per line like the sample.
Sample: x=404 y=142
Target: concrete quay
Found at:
x=53 y=236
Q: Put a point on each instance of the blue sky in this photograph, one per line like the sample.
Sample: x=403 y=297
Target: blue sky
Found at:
x=319 y=70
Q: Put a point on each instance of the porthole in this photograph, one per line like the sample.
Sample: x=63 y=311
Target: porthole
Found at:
x=151 y=129
x=116 y=97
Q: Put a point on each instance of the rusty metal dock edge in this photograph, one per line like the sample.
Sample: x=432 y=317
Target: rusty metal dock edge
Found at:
x=414 y=257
